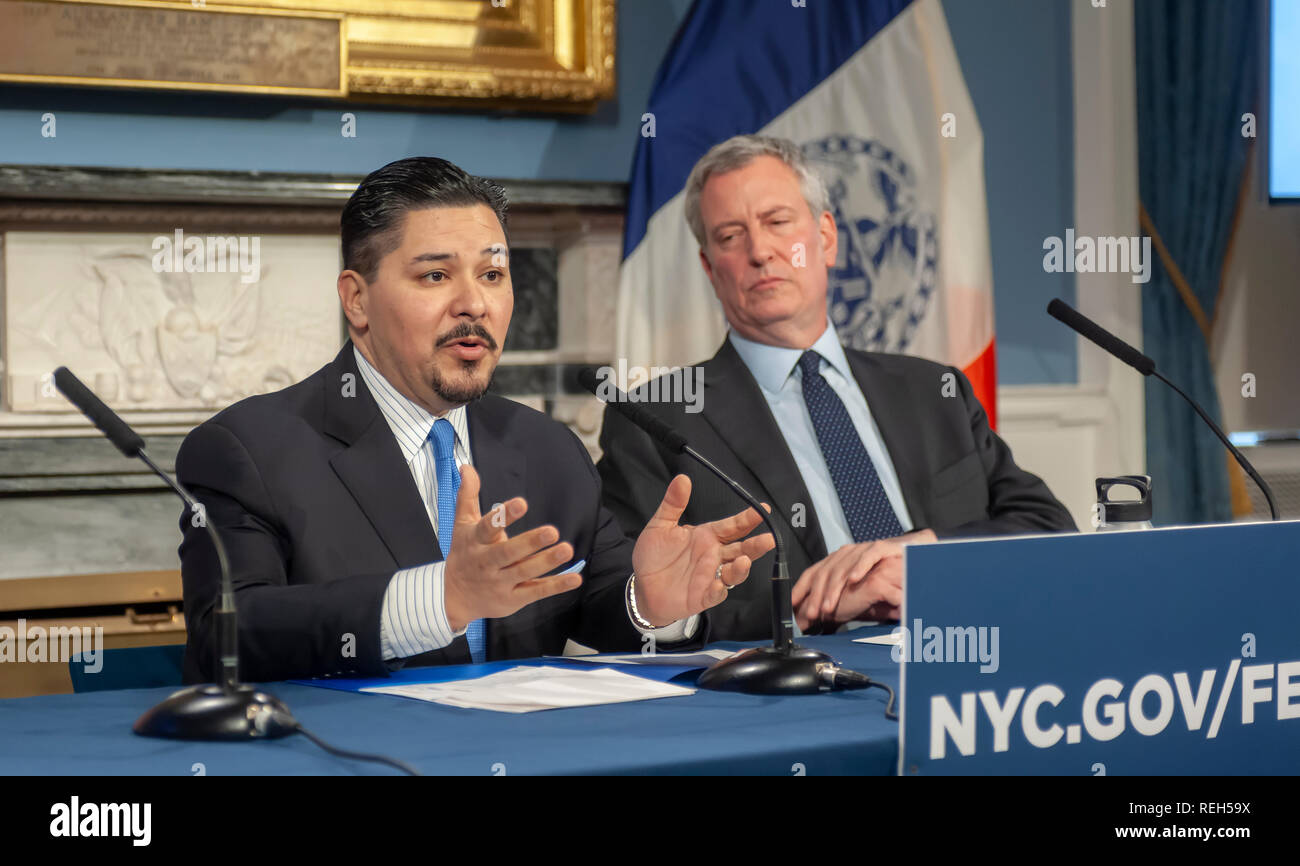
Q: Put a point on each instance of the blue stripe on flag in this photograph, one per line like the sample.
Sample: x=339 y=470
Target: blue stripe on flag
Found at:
x=733 y=67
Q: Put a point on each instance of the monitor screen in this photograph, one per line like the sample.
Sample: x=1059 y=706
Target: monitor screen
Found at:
x=1284 y=101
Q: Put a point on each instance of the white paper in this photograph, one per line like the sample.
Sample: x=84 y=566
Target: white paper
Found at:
x=527 y=689
x=895 y=639
x=702 y=659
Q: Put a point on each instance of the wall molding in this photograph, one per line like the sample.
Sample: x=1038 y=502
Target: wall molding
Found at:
x=1064 y=405
x=90 y=183
x=1060 y=433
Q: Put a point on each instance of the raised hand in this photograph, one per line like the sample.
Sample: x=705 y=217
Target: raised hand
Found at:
x=489 y=574
x=683 y=570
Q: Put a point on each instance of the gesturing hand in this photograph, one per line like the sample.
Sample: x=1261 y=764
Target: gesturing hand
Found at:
x=677 y=566
x=489 y=574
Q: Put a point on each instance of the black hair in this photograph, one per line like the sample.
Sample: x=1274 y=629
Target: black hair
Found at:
x=383 y=199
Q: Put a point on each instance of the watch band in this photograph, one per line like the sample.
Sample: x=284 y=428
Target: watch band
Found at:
x=631 y=606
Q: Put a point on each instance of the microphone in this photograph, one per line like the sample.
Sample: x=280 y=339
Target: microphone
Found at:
x=785 y=668
x=108 y=421
x=658 y=430
x=1091 y=331
x=227 y=710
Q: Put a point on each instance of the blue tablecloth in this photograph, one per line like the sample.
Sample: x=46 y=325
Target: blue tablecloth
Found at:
x=705 y=733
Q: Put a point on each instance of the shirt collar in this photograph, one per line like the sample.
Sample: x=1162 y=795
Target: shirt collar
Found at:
x=772 y=365
x=409 y=421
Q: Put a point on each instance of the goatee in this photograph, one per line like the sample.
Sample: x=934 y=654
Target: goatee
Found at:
x=465 y=391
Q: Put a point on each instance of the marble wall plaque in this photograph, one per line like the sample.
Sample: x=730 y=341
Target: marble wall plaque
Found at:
x=145 y=333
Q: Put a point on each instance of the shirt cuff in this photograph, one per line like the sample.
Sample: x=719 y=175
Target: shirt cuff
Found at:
x=674 y=632
x=413 y=619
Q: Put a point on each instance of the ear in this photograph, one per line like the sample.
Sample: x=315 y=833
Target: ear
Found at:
x=830 y=235
x=354 y=294
x=708 y=267
x=708 y=270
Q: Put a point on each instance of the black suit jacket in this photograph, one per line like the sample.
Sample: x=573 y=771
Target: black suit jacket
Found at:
x=957 y=476
x=317 y=509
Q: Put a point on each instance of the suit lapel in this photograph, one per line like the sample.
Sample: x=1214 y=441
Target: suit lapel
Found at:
x=736 y=408
x=894 y=412
x=372 y=468
x=500 y=467
x=500 y=470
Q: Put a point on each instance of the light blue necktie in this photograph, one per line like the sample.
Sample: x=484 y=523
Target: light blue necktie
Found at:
x=862 y=496
x=443 y=437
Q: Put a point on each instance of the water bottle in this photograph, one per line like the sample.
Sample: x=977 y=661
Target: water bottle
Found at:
x=1115 y=515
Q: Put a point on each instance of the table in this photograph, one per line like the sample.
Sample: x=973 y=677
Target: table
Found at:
x=705 y=733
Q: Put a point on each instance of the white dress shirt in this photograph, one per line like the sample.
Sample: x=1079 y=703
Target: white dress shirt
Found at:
x=413 y=618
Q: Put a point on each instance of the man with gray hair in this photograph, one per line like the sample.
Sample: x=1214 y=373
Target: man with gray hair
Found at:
x=859 y=453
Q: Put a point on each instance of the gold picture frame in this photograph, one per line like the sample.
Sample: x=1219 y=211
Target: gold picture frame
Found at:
x=532 y=55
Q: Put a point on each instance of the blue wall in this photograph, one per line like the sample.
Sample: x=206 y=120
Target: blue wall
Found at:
x=1015 y=55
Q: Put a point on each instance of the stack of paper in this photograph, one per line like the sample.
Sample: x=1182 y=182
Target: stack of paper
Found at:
x=527 y=689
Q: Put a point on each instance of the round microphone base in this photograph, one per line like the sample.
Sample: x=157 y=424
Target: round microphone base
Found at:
x=769 y=670
x=209 y=712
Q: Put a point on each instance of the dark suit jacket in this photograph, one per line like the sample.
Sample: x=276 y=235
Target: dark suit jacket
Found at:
x=957 y=476
x=317 y=508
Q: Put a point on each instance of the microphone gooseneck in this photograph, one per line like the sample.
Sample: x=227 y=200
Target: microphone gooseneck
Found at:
x=132 y=445
x=1232 y=449
x=782 y=607
x=1091 y=331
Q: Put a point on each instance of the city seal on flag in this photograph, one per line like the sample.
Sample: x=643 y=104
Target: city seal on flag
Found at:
x=885 y=275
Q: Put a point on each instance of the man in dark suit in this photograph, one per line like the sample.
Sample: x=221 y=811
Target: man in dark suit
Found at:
x=860 y=453
x=365 y=509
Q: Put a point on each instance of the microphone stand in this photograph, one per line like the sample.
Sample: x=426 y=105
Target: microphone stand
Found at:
x=1099 y=336
x=225 y=709
x=784 y=668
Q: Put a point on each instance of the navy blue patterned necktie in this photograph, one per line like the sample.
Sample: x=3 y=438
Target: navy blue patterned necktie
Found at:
x=862 y=496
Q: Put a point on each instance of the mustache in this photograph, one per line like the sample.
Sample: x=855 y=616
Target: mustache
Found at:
x=465 y=330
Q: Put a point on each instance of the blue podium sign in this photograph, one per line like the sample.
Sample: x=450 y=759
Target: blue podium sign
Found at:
x=1167 y=651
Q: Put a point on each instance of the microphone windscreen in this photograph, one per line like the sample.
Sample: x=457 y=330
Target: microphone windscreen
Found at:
x=588 y=379
x=1090 y=330
x=112 y=426
x=611 y=395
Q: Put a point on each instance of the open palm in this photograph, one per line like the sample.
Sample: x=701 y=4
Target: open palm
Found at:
x=677 y=567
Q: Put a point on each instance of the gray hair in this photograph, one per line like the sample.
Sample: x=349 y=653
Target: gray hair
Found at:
x=738 y=152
